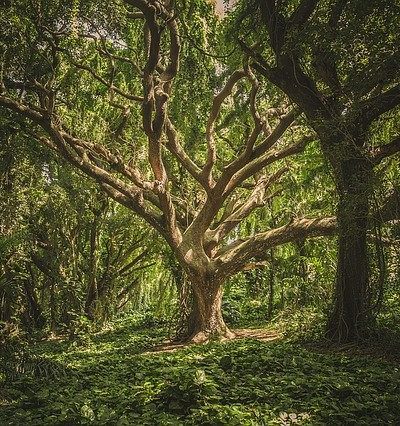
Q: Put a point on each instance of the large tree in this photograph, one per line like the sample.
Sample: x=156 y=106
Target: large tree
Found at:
x=338 y=60
x=103 y=89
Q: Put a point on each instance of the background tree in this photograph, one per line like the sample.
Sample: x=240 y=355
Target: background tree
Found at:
x=66 y=249
x=339 y=62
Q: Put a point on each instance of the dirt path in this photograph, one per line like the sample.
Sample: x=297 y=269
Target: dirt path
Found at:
x=240 y=333
x=256 y=333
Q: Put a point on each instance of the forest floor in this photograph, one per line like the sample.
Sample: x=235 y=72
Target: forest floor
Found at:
x=119 y=377
x=261 y=334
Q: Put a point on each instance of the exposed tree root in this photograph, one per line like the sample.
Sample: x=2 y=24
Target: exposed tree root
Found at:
x=201 y=338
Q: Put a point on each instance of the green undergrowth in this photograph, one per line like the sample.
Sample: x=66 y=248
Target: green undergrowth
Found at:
x=113 y=378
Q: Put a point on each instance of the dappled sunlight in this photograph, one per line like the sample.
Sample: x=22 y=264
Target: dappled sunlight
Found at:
x=256 y=377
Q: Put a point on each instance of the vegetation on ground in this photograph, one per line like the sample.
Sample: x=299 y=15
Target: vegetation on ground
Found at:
x=116 y=377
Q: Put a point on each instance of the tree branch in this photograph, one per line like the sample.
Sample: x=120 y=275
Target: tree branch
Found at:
x=256 y=199
x=373 y=108
x=154 y=105
x=131 y=204
x=77 y=153
x=215 y=110
x=390 y=209
x=179 y=153
x=111 y=87
x=233 y=256
x=274 y=22
x=302 y=14
x=336 y=12
x=264 y=160
x=383 y=151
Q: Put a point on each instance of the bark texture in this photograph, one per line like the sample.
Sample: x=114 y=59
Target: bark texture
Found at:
x=206 y=320
x=351 y=308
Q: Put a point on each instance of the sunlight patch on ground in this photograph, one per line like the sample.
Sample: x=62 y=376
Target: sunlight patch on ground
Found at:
x=260 y=334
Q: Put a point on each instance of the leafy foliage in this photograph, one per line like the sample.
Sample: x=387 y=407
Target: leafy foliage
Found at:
x=119 y=380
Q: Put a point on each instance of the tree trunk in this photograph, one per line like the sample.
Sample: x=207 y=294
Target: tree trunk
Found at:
x=92 y=293
x=271 y=284
x=350 y=313
x=5 y=306
x=303 y=296
x=53 y=305
x=205 y=320
x=6 y=291
x=34 y=311
x=185 y=301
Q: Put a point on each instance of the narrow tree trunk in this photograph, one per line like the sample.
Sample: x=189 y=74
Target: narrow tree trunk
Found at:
x=6 y=287
x=92 y=290
x=272 y=267
x=350 y=312
x=205 y=320
x=271 y=284
x=302 y=273
x=53 y=306
x=34 y=310
x=5 y=306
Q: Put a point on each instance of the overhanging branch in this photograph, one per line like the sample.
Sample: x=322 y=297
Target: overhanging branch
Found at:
x=234 y=256
x=383 y=151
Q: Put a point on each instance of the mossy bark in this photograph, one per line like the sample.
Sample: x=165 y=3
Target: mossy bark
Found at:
x=350 y=314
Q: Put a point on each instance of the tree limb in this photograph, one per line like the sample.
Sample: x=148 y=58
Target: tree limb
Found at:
x=383 y=151
x=215 y=110
x=373 y=108
x=233 y=256
x=302 y=13
x=239 y=212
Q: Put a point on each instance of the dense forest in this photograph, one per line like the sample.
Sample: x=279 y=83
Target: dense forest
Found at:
x=200 y=212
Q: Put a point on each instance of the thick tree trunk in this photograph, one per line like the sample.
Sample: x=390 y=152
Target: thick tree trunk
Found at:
x=350 y=312
x=205 y=320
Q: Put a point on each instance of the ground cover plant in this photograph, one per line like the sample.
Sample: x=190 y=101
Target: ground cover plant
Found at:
x=122 y=376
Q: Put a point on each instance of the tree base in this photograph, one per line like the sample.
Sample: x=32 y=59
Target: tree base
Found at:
x=204 y=336
x=341 y=332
